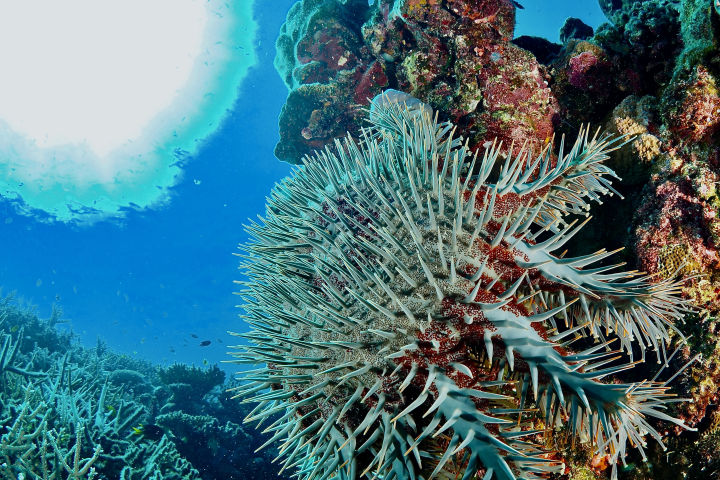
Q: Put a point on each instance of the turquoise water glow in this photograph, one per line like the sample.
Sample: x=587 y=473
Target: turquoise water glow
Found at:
x=102 y=118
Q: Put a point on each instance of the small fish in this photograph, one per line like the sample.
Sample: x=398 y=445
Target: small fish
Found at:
x=194 y=336
x=518 y=5
x=14 y=328
x=152 y=432
x=205 y=343
x=149 y=431
x=205 y=362
x=110 y=408
x=219 y=340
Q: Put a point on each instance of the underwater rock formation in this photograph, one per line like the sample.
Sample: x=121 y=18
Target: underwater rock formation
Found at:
x=653 y=73
x=676 y=223
x=335 y=55
x=544 y=50
x=574 y=28
x=632 y=56
x=412 y=321
x=321 y=58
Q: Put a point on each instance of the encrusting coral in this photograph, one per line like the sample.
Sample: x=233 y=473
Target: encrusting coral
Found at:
x=456 y=56
x=414 y=322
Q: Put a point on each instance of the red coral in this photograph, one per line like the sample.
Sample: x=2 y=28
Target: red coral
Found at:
x=372 y=82
x=454 y=55
x=580 y=71
x=696 y=118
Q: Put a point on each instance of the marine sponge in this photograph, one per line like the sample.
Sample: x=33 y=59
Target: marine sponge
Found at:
x=412 y=321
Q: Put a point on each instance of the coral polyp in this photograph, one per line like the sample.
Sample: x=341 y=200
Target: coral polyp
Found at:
x=412 y=320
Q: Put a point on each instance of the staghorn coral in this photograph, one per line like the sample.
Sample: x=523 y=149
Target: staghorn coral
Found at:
x=67 y=412
x=8 y=353
x=413 y=321
x=31 y=448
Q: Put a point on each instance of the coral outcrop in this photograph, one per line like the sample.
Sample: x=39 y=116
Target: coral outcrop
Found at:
x=670 y=48
x=454 y=55
x=652 y=73
x=415 y=316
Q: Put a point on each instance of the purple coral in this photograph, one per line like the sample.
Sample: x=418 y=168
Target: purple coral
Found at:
x=580 y=74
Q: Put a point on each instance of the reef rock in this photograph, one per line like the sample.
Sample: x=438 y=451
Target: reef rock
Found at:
x=678 y=226
x=455 y=55
x=575 y=28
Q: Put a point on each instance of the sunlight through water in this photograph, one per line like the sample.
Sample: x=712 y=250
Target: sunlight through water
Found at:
x=96 y=120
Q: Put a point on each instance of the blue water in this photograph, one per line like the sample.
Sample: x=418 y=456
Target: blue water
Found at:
x=159 y=282
x=544 y=18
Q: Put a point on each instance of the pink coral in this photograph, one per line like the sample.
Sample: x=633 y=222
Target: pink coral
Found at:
x=581 y=66
x=696 y=117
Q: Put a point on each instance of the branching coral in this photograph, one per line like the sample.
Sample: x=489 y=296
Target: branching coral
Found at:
x=30 y=448
x=8 y=357
x=70 y=422
x=413 y=321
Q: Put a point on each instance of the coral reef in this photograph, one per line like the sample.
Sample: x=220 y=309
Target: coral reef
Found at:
x=652 y=72
x=412 y=320
x=612 y=7
x=634 y=55
x=319 y=56
x=335 y=55
x=28 y=447
x=189 y=385
x=676 y=223
x=665 y=53
x=75 y=413
x=677 y=229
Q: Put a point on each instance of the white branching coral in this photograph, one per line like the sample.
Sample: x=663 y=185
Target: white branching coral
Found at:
x=411 y=320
